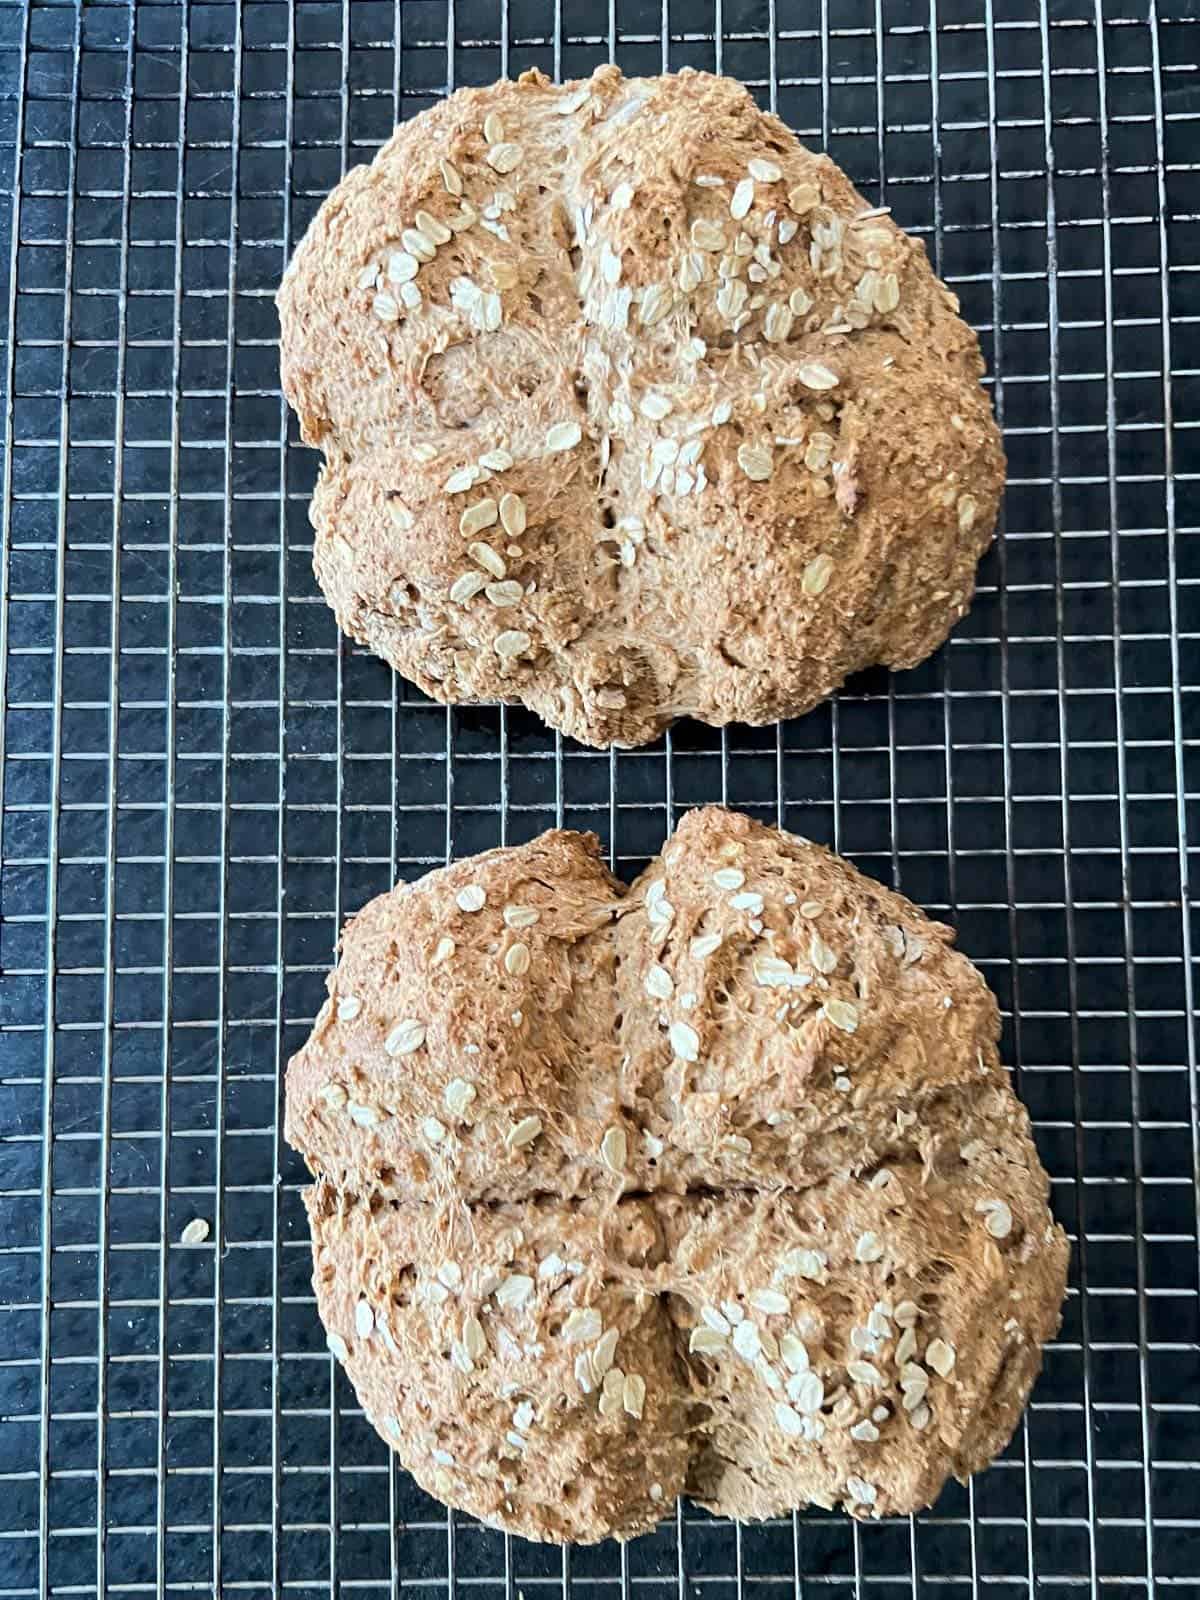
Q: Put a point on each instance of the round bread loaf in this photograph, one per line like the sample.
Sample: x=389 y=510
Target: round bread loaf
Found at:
x=632 y=409
x=714 y=1185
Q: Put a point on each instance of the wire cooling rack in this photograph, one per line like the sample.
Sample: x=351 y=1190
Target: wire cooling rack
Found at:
x=200 y=779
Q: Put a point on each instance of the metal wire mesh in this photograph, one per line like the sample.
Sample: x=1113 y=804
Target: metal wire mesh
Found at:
x=200 y=779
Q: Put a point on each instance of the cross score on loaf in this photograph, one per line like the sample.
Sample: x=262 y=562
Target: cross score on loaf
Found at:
x=711 y=1185
x=632 y=408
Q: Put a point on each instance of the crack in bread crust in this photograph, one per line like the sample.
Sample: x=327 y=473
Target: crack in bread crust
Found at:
x=736 y=418
x=714 y=1185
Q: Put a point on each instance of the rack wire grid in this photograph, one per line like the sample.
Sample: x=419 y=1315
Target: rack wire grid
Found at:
x=201 y=779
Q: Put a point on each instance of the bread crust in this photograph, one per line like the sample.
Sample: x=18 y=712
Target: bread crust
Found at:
x=712 y=1185
x=630 y=456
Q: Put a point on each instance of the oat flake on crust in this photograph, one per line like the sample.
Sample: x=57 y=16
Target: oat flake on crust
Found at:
x=642 y=1214
x=635 y=412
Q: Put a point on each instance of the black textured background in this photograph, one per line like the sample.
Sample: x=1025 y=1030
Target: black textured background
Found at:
x=200 y=779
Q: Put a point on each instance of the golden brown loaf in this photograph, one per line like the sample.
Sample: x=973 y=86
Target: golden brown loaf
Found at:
x=632 y=409
x=714 y=1185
